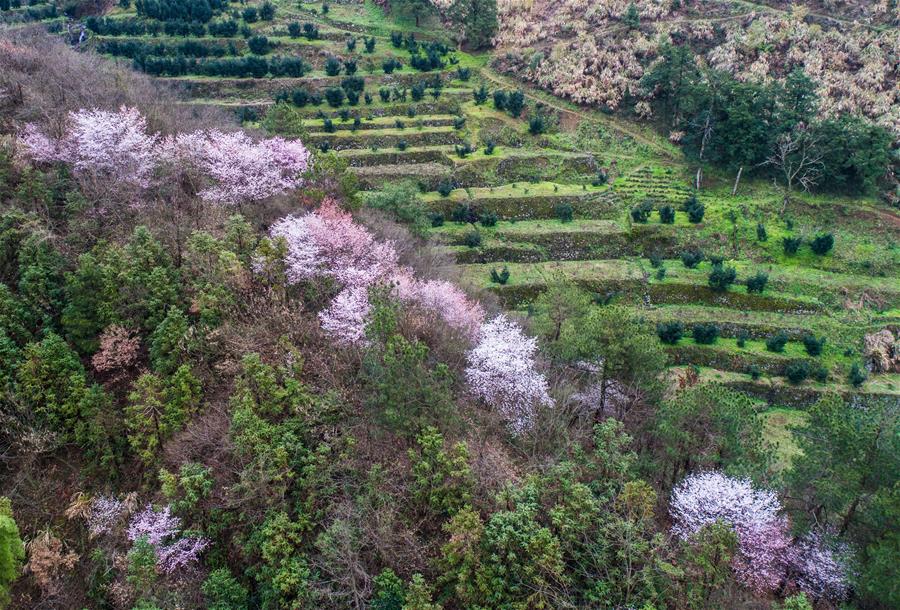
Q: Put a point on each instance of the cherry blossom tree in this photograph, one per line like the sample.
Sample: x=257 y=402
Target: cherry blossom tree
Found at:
x=104 y=514
x=244 y=171
x=161 y=530
x=346 y=317
x=502 y=372
x=704 y=498
x=443 y=299
x=819 y=569
x=114 y=146
x=327 y=242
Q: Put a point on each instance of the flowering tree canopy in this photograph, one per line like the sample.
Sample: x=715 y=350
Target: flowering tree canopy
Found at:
x=243 y=170
x=442 y=298
x=345 y=319
x=818 y=569
x=502 y=372
x=116 y=146
x=704 y=498
x=161 y=530
x=104 y=514
x=328 y=242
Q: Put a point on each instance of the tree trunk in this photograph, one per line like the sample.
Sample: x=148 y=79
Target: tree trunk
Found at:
x=737 y=181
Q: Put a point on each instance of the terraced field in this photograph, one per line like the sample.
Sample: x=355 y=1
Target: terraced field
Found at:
x=554 y=201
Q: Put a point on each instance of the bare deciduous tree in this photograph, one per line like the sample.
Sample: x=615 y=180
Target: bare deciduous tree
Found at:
x=797 y=157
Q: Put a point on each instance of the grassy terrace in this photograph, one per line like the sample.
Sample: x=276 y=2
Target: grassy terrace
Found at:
x=550 y=189
x=792 y=290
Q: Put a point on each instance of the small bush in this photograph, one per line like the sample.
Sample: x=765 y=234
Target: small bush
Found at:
x=564 y=212
x=385 y=94
x=353 y=98
x=797 y=372
x=661 y=273
x=369 y=44
x=480 y=95
x=310 y=31
x=332 y=66
x=761 y=234
x=489 y=147
x=445 y=188
x=776 y=343
x=459 y=122
x=351 y=44
x=691 y=258
x=402 y=145
x=757 y=283
x=858 y=375
x=667 y=215
x=696 y=212
x=822 y=244
x=417 y=91
x=472 y=239
x=813 y=346
x=299 y=97
x=437 y=220
x=716 y=259
x=754 y=372
x=328 y=126
x=350 y=67
x=670 y=332
x=705 y=333
x=500 y=278
x=536 y=124
x=656 y=261
x=742 y=337
x=258 y=45
x=399 y=124
x=463 y=213
x=721 y=277
x=463 y=74
x=515 y=102
x=641 y=212
x=500 y=99
x=397 y=39
x=294 y=29
x=488 y=219
x=367 y=97
x=389 y=65
x=601 y=178
x=463 y=151
x=334 y=96
x=820 y=374
x=791 y=245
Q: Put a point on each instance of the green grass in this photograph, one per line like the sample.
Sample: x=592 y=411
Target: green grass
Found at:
x=777 y=425
x=521 y=189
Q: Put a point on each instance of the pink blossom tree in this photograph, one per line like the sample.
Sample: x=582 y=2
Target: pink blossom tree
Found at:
x=113 y=146
x=161 y=530
x=327 y=242
x=704 y=498
x=104 y=515
x=443 y=299
x=346 y=317
x=244 y=171
x=502 y=372
x=819 y=569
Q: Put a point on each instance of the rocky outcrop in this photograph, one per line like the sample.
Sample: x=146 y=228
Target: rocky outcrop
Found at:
x=882 y=351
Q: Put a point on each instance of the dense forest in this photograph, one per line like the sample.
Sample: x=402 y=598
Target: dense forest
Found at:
x=306 y=306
